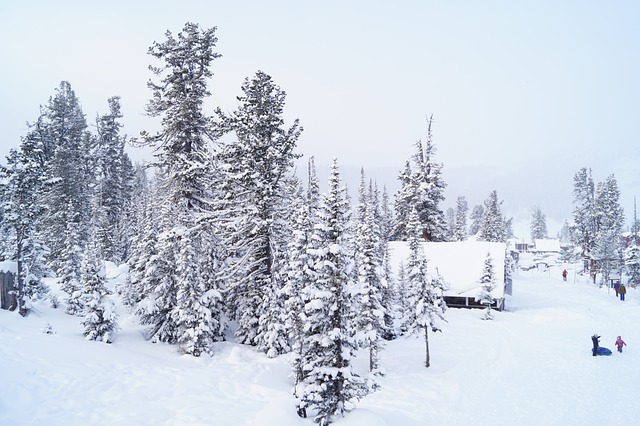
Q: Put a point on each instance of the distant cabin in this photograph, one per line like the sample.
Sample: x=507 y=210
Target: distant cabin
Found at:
x=7 y=279
x=546 y=246
x=461 y=265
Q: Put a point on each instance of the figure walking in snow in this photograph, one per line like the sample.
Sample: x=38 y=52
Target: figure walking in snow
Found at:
x=616 y=287
x=622 y=290
x=620 y=343
x=595 y=339
x=564 y=275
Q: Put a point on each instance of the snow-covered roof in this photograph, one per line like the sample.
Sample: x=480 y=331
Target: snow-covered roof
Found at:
x=459 y=263
x=547 y=245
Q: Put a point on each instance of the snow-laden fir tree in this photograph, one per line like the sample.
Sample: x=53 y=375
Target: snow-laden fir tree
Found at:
x=425 y=291
x=610 y=220
x=460 y=226
x=198 y=310
x=402 y=300
x=477 y=214
x=156 y=309
x=450 y=216
x=632 y=262
x=21 y=187
x=184 y=157
x=257 y=164
x=115 y=175
x=330 y=385
x=405 y=201
x=389 y=292
x=70 y=266
x=429 y=188
x=100 y=318
x=632 y=252
x=487 y=285
x=371 y=281
x=494 y=226
x=69 y=149
x=584 y=216
x=538 y=225
x=299 y=275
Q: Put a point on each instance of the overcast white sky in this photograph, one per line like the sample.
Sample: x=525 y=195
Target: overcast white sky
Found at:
x=523 y=93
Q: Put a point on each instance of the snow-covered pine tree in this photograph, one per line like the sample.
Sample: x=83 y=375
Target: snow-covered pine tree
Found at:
x=156 y=309
x=632 y=252
x=538 y=225
x=402 y=300
x=389 y=296
x=405 y=200
x=632 y=262
x=460 y=227
x=115 y=175
x=299 y=275
x=477 y=214
x=493 y=226
x=371 y=282
x=183 y=156
x=21 y=187
x=257 y=164
x=610 y=220
x=313 y=189
x=67 y=147
x=100 y=318
x=487 y=284
x=197 y=313
x=425 y=292
x=429 y=189
x=584 y=216
x=70 y=266
x=330 y=385
x=450 y=217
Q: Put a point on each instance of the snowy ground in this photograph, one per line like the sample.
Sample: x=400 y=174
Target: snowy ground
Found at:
x=532 y=365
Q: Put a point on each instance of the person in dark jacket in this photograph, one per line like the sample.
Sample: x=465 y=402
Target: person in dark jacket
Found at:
x=622 y=290
x=616 y=287
x=595 y=339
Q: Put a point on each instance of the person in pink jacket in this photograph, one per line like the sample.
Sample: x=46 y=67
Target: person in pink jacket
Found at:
x=620 y=343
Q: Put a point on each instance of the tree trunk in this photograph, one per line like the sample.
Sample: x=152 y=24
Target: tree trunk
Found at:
x=426 y=342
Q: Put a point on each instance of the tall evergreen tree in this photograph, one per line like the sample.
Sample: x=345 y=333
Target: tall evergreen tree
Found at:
x=538 y=224
x=584 y=216
x=66 y=150
x=493 y=224
x=476 y=217
x=405 y=200
x=299 y=275
x=21 y=188
x=632 y=252
x=183 y=156
x=430 y=189
x=330 y=384
x=371 y=280
x=610 y=220
x=257 y=164
x=115 y=182
x=460 y=227
x=426 y=292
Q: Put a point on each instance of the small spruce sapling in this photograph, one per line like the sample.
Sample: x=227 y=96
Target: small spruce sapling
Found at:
x=488 y=283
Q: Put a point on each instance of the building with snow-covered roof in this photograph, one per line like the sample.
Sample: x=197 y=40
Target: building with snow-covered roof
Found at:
x=460 y=264
x=548 y=246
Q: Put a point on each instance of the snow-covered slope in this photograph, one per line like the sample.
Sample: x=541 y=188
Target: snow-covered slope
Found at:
x=531 y=365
